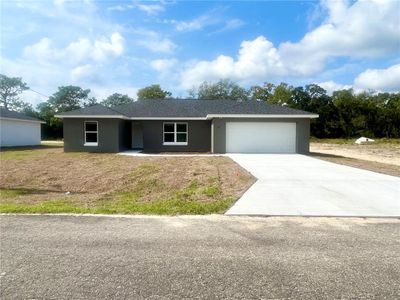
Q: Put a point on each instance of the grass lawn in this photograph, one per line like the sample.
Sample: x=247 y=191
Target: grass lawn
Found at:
x=47 y=180
x=382 y=156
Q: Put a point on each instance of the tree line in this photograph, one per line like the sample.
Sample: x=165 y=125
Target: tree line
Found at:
x=343 y=114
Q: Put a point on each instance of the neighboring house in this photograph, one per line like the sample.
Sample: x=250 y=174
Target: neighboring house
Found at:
x=17 y=129
x=216 y=126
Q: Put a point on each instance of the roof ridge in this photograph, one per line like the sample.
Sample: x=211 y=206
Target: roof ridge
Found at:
x=114 y=109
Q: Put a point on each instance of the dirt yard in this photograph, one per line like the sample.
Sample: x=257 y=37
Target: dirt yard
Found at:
x=381 y=156
x=47 y=177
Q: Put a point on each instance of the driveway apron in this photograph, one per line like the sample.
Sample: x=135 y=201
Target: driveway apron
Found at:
x=299 y=185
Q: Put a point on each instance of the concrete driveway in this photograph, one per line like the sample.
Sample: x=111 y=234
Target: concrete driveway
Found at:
x=298 y=185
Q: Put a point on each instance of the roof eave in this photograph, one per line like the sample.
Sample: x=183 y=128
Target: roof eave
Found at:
x=266 y=116
x=208 y=117
x=23 y=120
x=92 y=116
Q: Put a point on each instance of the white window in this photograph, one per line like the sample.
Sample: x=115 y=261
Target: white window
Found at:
x=175 y=134
x=91 y=133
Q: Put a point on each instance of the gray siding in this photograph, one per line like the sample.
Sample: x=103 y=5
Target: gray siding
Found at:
x=199 y=137
x=111 y=134
x=302 y=132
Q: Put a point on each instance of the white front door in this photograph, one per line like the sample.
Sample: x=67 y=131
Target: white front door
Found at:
x=260 y=137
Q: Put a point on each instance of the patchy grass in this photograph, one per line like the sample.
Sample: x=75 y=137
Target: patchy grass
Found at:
x=211 y=191
x=12 y=193
x=47 y=180
x=166 y=207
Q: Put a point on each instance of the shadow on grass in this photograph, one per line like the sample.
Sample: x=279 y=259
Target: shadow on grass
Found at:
x=325 y=155
x=14 y=192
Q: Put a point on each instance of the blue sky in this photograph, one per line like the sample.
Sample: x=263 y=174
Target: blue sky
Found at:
x=121 y=46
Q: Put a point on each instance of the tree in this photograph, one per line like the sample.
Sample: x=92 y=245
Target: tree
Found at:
x=274 y=94
x=224 y=89
x=70 y=98
x=10 y=89
x=53 y=127
x=261 y=93
x=153 y=92
x=65 y=99
x=116 y=99
x=282 y=94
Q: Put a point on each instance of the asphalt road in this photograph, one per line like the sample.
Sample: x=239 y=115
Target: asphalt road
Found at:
x=214 y=257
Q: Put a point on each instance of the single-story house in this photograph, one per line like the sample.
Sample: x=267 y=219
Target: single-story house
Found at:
x=216 y=126
x=17 y=129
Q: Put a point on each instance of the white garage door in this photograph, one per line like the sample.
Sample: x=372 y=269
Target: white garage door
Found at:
x=260 y=137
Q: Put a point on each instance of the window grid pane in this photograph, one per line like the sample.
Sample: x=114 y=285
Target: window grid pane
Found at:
x=181 y=127
x=91 y=126
x=169 y=137
x=91 y=137
x=169 y=127
x=181 y=137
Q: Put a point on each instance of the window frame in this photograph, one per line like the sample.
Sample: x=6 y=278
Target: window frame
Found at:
x=175 y=132
x=90 y=131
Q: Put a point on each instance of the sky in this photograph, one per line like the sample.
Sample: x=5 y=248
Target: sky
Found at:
x=121 y=46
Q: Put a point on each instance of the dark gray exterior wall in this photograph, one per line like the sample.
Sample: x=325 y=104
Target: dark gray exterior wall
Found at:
x=302 y=132
x=137 y=135
x=113 y=135
x=199 y=137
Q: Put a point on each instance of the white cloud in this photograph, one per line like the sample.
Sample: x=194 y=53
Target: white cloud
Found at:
x=163 y=65
x=150 y=9
x=41 y=50
x=365 y=29
x=156 y=43
x=117 y=8
x=331 y=86
x=232 y=24
x=79 y=47
x=80 y=73
x=195 y=24
x=209 y=19
x=102 y=92
x=80 y=50
x=387 y=80
x=256 y=59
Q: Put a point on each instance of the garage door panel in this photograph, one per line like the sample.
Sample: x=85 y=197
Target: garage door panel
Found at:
x=260 y=137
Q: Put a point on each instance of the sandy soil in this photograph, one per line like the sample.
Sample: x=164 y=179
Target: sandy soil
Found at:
x=49 y=173
x=381 y=153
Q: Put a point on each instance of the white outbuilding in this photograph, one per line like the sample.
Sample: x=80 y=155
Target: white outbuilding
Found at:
x=17 y=129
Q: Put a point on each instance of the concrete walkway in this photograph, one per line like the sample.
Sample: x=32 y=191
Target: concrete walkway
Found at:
x=298 y=185
x=140 y=153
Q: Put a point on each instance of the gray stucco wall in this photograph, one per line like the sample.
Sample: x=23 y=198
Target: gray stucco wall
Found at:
x=115 y=135
x=199 y=137
x=137 y=135
x=302 y=132
x=111 y=135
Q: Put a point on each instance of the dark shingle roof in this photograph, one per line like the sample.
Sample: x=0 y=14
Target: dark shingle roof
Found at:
x=94 y=110
x=5 y=113
x=188 y=108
